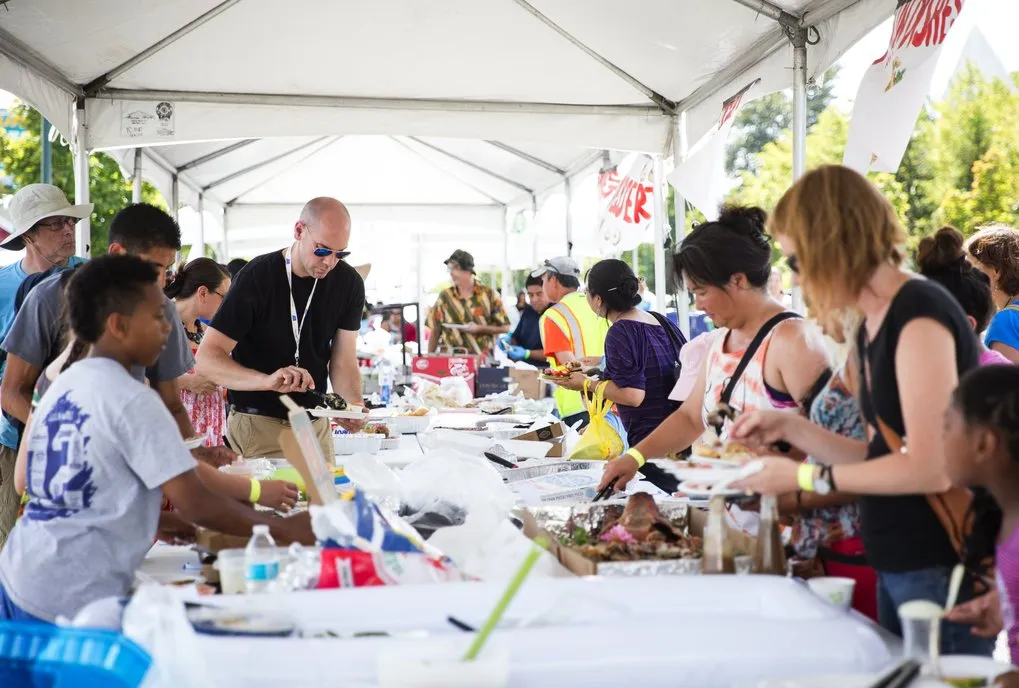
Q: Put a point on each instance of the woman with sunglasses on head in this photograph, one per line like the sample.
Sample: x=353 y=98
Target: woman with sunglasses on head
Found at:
x=289 y=325
x=726 y=265
x=913 y=344
x=197 y=289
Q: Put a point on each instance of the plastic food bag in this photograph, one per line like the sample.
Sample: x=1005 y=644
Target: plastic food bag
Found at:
x=600 y=441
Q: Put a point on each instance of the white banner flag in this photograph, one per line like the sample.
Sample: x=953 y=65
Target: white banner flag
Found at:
x=894 y=88
x=626 y=193
x=701 y=177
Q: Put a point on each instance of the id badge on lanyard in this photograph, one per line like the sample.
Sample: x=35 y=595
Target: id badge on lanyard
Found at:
x=297 y=325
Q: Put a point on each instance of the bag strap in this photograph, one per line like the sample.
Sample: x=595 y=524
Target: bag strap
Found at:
x=748 y=355
x=677 y=340
x=1012 y=307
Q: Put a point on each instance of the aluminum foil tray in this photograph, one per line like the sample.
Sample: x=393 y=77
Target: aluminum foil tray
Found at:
x=592 y=517
x=512 y=475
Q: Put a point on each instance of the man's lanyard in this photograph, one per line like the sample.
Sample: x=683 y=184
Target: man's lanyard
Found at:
x=297 y=325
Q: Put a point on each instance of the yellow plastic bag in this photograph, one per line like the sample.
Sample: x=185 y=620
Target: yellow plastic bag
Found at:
x=600 y=440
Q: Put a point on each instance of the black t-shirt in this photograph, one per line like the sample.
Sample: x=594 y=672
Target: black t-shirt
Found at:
x=901 y=532
x=256 y=313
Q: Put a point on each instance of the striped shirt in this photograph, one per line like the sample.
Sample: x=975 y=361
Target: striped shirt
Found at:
x=482 y=307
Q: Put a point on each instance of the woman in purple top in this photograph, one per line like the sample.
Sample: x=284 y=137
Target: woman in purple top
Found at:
x=982 y=450
x=641 y=350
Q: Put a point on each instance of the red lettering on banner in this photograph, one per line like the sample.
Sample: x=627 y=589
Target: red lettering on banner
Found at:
x=729 y=108
x=922 y=23
x=639 y=212
x=607 y=182
x=629 y=201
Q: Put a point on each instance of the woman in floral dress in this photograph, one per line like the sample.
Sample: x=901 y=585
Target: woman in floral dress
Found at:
x=198 y=289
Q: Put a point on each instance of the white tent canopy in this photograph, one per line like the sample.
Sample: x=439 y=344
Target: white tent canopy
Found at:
x=584 y=72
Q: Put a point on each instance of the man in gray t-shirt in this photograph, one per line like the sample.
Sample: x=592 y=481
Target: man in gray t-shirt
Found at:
x=35 y=335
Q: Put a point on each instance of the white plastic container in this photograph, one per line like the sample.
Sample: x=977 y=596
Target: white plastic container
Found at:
x=408 y=425
x=357 y=443
x=439 y=664
x=834 y=590
x=230 y=564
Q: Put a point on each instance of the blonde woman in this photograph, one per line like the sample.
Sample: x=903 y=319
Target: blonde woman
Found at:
x=843 y=239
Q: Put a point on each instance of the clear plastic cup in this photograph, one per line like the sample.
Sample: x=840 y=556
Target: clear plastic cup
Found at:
x=439 y=664
x=921 y=634
x=230 y=564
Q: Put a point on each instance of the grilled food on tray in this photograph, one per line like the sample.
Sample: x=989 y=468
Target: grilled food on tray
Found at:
x=563 y=371
x=638 y=531
x=378 y=429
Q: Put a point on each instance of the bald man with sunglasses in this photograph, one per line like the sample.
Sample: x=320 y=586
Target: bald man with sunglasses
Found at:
x=288 y=324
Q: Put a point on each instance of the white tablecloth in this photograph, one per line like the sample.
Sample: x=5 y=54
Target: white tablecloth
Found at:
x=666 y=631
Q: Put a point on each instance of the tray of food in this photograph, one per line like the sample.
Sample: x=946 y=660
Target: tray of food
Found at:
x=713 y=451
x=642 y=538
x=409 y=422
x=357 y=443
x=390 y=440
x=561 y=372
x=512 y=475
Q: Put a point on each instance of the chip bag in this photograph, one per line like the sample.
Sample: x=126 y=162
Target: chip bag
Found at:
x=600 y=440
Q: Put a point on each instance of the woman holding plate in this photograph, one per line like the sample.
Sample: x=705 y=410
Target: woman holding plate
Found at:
x=764 y=357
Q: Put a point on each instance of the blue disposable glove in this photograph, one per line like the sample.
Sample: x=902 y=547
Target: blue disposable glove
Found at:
x=516 y=353
x=504 y=342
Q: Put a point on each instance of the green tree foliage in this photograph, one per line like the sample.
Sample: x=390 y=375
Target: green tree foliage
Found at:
x=765 y=119
x=21 y=161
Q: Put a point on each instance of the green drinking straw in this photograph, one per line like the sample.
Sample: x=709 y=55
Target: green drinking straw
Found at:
x=500 y=608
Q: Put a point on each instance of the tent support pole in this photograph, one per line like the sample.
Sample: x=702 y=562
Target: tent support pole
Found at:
x=269 y=161
x=678 y=156
x=46 y=177
x=215 y=154
x=175 y=197
x=507 y=283
x=568 y=192
x=82 y=230
x=226 y=240
x=136 y=179
x=798 y=38
x=199 y=249
x=473 y=166
x=659 y=219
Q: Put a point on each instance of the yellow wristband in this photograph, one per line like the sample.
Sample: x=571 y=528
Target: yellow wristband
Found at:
x=805 y=477
x=635 y=453
x=256 y=491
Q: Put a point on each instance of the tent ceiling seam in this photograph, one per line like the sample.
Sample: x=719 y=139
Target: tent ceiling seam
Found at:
x=771 y=11
x=35 y=63
x=209 y=157
x=664 y=104
x=528 y=157
x=262 y=163
x=289 y=166
x=168 y=167
x=98 y=83
x=474 y=166
x=456 y=177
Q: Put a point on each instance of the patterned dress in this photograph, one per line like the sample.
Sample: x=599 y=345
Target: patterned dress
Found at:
x=206 y=411
x=835 y=409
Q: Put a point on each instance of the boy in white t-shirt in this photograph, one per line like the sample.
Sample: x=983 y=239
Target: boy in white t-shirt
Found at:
x=102 y=448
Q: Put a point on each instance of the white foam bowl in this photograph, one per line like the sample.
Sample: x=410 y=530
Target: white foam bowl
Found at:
x=834 y=590
x=357 y=443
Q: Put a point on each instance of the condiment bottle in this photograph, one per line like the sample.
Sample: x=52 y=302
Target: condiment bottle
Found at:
x=717 y=547
x=769 y=555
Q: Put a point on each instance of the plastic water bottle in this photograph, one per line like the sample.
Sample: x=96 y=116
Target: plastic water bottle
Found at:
x=386 y=382
x=261 y=561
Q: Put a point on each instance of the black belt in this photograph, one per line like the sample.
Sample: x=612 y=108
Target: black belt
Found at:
x=825 y=554
x=248 y=411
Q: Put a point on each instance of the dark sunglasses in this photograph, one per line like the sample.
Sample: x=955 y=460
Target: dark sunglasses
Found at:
x=58 y=222
x=322 y=252
x=793 y=263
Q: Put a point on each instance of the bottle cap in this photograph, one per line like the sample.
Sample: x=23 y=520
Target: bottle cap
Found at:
x=260 y=529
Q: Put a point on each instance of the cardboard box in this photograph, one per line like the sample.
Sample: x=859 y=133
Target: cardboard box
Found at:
x=492 y=381
x=434 y=368
x=528 y=383
x=553 y=433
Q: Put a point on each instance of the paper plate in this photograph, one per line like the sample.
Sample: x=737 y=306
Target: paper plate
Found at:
x=699 y=489
x=695 y=471
x=340 y=415
x=716 y=463
x=233 y=623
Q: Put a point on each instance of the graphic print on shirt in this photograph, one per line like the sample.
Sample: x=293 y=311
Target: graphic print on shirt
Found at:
x=59 y=477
